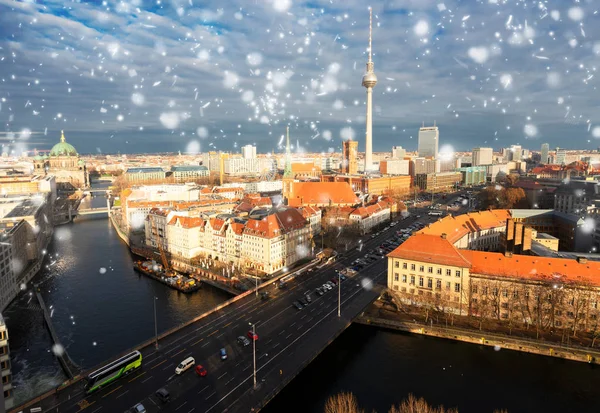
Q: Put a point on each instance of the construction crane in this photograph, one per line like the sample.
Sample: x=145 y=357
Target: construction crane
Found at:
x=163 y=255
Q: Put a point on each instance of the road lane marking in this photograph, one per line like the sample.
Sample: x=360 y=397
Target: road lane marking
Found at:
x=275 y=345
x=281 y=332
x=112 y=391
x=164 y=361
x=205 y=344
x=211 y=395
x=206 y=387
x=184 y=403
x=198 y=341
x=145 y=380
x=213 y=333
x=302 y=318
x=286 y=347
x=138 y=376
x=94 y=411
x=232 y=379
x=187 y=341
x=221 y=376
x=170 y=366
x=193 y=408
x=125 y=392
x=173 y=349
x=86 y=406
x=228 y=324
x=288 y=336
x=178 y=353
x=221 y=335
x=293 y=324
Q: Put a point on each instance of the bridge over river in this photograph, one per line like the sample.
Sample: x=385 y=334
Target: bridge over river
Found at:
x=289 y=339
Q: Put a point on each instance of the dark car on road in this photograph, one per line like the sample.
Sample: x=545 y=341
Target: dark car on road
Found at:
x=243 y=341
x=264 y=295
x=163 y=395
x=303 y=301
x=319 y=291
x=297 y=305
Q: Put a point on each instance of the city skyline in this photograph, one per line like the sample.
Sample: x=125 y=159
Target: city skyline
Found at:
x=509 y=75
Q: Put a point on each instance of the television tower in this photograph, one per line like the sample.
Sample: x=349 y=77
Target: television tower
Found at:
x=369 y=81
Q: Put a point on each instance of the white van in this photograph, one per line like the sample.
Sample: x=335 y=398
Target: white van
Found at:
x=184 y=365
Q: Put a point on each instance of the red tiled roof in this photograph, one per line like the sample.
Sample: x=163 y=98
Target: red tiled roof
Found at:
x=430 y=249
x=532 y=267
x=187 y=222
x=322 y=193
x=216 y=223
x=276 y=224
x=457 y=227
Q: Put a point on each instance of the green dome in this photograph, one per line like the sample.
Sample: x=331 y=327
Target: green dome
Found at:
x=63 y=148
x=38 y=158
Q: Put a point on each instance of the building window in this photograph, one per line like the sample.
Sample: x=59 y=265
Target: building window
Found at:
x=396 y=277
x=439 y=271
x=515 y=294
x=421 y=268
x=448 y=285
x=403 y=278
x=448 y=272
x=557 y=323
x=397 y=264
x=457 y=287
x=429 y=283
x=458 y=273
x=438 y=284
x=404 y=265
x=413 y=266
x=430 y=270
x=505 y=293
x=412 y=279
x=474 y=289
x=495 y=292
x=420 y=281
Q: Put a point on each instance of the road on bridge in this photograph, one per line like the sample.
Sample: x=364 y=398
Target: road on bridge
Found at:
x=288 y=340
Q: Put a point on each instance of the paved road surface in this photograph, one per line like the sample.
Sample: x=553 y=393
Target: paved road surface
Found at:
x=288 y=340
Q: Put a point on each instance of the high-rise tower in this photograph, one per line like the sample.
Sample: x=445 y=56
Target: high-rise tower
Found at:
x=369 y=81
x=288 y=177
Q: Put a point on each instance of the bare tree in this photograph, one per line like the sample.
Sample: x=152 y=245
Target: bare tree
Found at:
x=418 y=405
x=344 y=402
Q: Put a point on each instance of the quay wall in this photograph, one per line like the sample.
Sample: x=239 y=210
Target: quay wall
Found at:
x=497 y=341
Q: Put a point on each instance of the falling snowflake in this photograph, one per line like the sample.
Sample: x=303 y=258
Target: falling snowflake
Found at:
x=102 y=270
x=530 y=130
x=202 y=132
x=421 y=28
x=479 y=54
x=347 y=133
x=282 y=5
x=193 y=147
x=138 y=99
x=170 y=120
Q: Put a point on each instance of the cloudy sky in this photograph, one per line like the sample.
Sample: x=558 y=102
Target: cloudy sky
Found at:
x=189 y=75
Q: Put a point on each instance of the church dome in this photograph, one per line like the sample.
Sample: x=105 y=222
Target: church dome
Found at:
x=63 y=148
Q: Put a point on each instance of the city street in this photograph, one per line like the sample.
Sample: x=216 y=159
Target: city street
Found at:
x=288 y=340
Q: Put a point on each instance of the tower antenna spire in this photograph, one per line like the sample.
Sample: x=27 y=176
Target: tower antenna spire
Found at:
x=370 y=33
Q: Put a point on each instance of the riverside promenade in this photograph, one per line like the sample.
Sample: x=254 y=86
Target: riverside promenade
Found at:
x=498 y=341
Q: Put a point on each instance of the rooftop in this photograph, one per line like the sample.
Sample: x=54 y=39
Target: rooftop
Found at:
x=143 y=170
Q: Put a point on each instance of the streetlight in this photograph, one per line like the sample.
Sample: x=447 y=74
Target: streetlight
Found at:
x=155 y=325
x=254 y=350
x=256 y=284
x=339 y=294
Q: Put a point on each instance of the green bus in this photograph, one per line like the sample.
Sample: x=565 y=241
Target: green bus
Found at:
x=113 y=371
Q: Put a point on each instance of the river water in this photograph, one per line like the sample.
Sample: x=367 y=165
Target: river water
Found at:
x=102 y=307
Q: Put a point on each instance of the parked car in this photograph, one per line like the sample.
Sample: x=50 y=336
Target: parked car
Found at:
x=243 y=341
x=185 y=365
x=163 y=395
x=264 y=295
x=201 y=371
x=297 y=305
x=319 y=291
x=303 y=301
x=252 y=335
x=223 y=354
x=308 y=298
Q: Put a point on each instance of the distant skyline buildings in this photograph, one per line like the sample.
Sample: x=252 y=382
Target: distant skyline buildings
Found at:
x=428 y=141
x=483 y=156
x=545 y=150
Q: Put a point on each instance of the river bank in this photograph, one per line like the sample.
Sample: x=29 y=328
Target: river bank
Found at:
x=380 y=316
